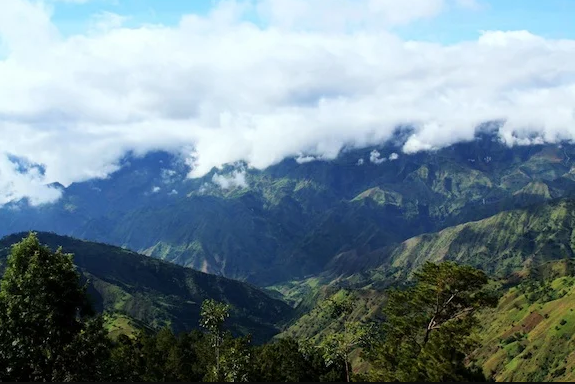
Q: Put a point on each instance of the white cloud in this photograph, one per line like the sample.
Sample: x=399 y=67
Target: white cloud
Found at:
x=205 y=187
x=236 y=179
x=156 y=189
x=105 y=21
x=233 y=91
x=393 y=156
x=375 y=158
x=360 y=162
x=305 y=159
x=168 y=176
x=17 y=183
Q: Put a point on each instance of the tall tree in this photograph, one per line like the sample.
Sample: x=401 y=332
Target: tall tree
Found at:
x=428 y=332
x=213 y=314
x=235 y=360
x=354 y=334
x=44 y=335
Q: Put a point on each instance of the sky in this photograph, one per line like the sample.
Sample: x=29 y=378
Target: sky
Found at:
x=464 y=21
x=84 y=81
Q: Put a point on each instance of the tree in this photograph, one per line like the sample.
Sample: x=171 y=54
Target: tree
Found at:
x=44 y=333
x=87 y=358
x=287 y=360
x=340 y=345
x=235 y=360
x=281 y=361
x=428 y=331
x=213 y=314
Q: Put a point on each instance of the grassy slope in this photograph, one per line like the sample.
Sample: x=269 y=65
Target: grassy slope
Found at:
x=499 y=244
x=519 y=240
x=119 y=324
x=531 y=334
x=158 y=293
x=528 y=337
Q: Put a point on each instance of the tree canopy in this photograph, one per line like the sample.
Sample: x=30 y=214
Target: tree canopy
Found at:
x=45 y=330
x=428 y=330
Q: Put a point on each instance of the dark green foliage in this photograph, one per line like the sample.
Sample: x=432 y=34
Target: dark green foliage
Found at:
x=427 y=334
x=47 y=332
x=88 y=357
x=44 y=331
x=513 y=338
x=189 y=358
x=354 y=334
x=162 y=357
x=287 y=361
x=233 y=361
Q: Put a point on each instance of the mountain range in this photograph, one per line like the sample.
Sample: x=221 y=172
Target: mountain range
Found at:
x=298 y=218
x=156 y=243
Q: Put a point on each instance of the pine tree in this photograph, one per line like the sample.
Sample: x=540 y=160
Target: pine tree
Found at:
x=428 y=331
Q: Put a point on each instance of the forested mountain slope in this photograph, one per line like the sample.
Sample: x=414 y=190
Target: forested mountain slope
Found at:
x=158 y=293
x=291 y=220
x=511 y=241
x=500 y=244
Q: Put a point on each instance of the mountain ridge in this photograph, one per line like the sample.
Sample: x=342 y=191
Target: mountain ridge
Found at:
x=292 y=220
x=159 y=293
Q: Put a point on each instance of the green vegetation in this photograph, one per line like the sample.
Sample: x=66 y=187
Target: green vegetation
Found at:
x=340 y=243
x=49 y=333
x=529 y=335
x=528 y=252
x=499 y=244
x=428 y=327
x=46 y=329
x=160 y=294
x=213 y=316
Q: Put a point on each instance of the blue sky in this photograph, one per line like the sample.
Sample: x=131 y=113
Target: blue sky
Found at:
x=72 y=17
x=548 y=18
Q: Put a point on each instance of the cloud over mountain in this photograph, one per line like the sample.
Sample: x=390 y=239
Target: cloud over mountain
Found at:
x=291 y=83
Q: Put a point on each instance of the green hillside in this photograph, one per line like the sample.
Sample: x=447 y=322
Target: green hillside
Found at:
x=530 y=335
x=157 y=293
x=500 y=244
x=509 y=242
